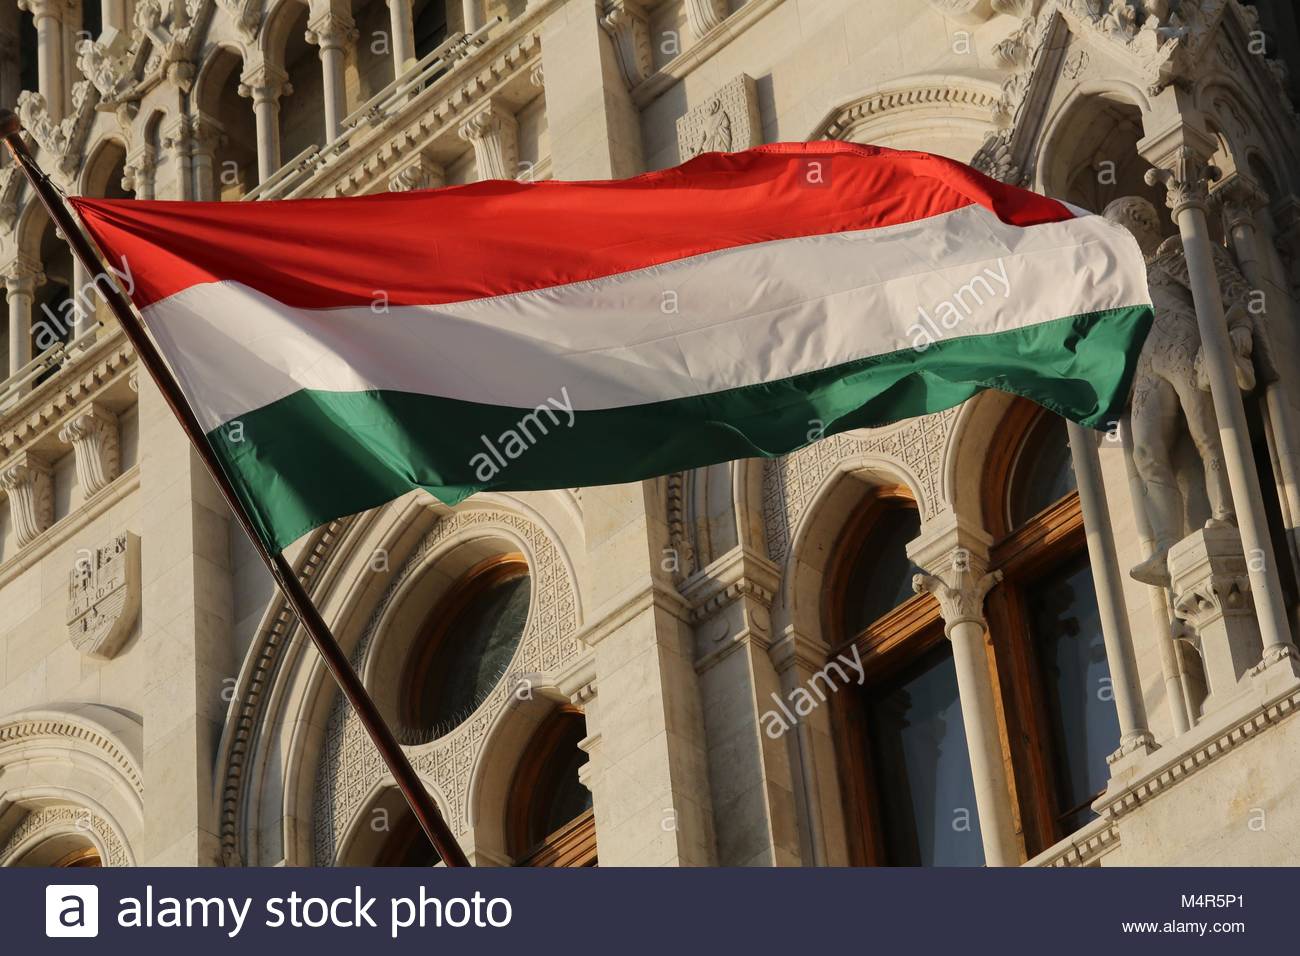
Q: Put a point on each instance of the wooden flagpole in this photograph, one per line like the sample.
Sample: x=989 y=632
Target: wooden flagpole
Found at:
x=419 y=799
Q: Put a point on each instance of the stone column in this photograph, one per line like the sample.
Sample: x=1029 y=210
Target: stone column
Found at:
x=83 y=301
x=1239 y=199
x=332 y=32
x=138 y=173
x=1134 y=734
x=113 y=13
x=493 y=132
x=177 y=143
x=404 y=57
x=264 y=86
x=955 y=558
x=22 y=276
x=1181 y=157
x=207 y=136
x=472 y=11
x=48 y=18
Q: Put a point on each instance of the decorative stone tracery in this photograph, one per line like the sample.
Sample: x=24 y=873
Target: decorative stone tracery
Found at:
x=350 y=765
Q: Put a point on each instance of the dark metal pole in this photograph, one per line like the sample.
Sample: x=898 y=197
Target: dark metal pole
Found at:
x=419 y=799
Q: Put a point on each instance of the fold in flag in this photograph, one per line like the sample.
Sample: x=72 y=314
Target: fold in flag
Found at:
x=516 y=336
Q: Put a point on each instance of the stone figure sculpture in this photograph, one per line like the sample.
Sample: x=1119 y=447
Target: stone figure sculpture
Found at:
x=1170 y=391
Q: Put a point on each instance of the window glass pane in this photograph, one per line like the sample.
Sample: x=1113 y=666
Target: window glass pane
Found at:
x=1044 y=473
x=881 y=578
x=568 y=799
x=918 y=741
x=1072 y=655
x=475 y=652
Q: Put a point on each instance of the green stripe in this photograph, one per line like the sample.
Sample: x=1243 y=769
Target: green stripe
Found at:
x=316 y=455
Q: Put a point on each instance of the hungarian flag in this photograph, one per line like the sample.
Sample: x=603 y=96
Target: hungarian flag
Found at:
x=516 y=336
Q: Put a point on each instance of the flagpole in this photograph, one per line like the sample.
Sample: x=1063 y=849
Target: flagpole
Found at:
x=421 y=802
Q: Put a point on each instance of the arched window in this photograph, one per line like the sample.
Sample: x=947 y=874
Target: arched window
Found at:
x=1046 y=630
x=465 y=646
x=908 y=793
x=550 y=821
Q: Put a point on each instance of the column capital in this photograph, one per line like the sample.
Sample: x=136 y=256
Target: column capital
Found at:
x=265 y=83
x=331 y=30
x=22 y=275
x=1238 y=197
x=1186 y=179
x=28 y=480
x=208 y=134
x=953 y=555
x=39 y=9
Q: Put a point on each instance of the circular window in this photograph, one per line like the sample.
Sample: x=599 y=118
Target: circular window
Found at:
x=465 y=646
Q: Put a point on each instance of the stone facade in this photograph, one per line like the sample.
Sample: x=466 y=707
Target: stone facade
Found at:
x=159 y=705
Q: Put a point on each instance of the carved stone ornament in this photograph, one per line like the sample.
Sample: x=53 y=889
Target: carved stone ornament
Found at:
x=27 y=480
x=494 y=133
x=421 y=174
x=104 y=596
x=93 y=435
x=727 y=121
x=703 y=15
x=962 y=601
x=628 y=24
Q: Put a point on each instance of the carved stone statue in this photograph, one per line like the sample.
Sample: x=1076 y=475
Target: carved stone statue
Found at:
x=1170 y=393
x=716 y=137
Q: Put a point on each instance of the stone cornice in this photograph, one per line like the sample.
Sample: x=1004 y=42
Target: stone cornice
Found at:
x=1180 y=759
x=737 y=574
x=430 y=122
x=626 y=606
x=35 y=421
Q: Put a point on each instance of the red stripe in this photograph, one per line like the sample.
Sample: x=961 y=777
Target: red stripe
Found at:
x=491 y=238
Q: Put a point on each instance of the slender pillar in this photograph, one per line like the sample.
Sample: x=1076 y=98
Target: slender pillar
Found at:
x=113 y=13
x=21 y=279
x=473 y=13
x=47 y=15
x=332 y=32
x=403 y=28
x=264 y=86
x=957 y=557
x=207 y=137
x=1239 y=199
x=83 y=300
x=1186 y=175
x=1134 y=735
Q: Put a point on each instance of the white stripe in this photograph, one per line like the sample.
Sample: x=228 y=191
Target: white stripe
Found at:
x=721 y=320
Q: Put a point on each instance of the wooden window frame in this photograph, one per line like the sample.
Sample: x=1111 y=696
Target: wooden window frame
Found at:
x=574 y=843
x=887 y=645
x=1025 y=554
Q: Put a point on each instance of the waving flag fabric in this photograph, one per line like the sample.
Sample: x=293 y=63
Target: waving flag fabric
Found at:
x=504 y=335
